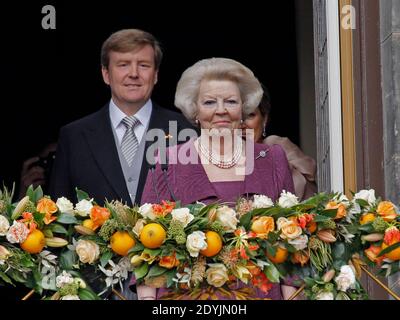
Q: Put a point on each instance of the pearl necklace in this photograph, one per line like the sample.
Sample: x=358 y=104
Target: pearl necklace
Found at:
x=216 y=161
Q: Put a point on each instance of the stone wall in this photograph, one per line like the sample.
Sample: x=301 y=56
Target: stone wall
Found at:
x=390 y=58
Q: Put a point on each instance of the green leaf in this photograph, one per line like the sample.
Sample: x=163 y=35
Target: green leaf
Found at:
x=58 y=228
x=38 y=194
x=137 y=247
x=6 y=279
x=105 y=257
x=331 y=213
x=290 y=248
x=170 y=275
x=48 y=233
x=66 y=218
x=156 y=270
x=388 y=249
x=152 y=252
x=68 y=259
x=367 y=227
x=141 y=271
x=30 y=193
x=362 y=203
x=272 y=273
x=85 y=294
x=245 y=220
x=320 y=218
x=81 y=195
x=273 y=237
x=271 y=250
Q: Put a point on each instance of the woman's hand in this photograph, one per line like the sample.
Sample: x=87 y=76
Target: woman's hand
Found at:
x=146 y=292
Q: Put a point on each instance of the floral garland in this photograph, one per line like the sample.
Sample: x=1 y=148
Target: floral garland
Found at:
x=83 y=251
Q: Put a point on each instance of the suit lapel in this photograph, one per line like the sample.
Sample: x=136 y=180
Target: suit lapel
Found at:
x=101 y=143
x=157 y=121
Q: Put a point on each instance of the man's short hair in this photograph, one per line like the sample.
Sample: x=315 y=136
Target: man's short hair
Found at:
x=130 y=40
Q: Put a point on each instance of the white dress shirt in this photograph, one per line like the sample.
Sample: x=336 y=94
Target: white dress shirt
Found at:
x=143 y=115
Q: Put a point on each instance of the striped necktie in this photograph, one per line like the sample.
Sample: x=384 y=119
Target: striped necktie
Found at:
x=130 y=143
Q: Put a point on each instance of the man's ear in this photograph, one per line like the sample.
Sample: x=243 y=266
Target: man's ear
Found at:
x=106 y=77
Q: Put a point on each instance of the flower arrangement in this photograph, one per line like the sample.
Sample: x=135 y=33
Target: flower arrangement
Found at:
x=26 y=228
x=66 y=251
x=195 y=248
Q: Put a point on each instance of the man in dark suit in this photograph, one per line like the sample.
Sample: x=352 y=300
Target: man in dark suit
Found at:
x=107 y=153
x=91 y=154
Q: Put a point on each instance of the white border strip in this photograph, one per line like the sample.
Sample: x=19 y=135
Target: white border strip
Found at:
x=335 y=101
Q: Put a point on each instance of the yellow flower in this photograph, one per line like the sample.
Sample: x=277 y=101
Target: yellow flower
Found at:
x=148 y=257
x=386 y=211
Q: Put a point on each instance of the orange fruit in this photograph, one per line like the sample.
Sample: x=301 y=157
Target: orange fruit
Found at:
x=312 y=226
x=121 y=242
x=88 y=223
x=280 y=256
x=394 y=254
x=35 y=242
x=153 y=235
x=367 y=217
x=214 y=244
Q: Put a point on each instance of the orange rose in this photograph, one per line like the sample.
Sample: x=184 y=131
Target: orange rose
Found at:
x=300 y=257
x=392 y=236
x=262 y=226
x=48 y=207
x=386 y=211
x=372 y=253
x=341 y=209
x=99 y=215
x=169 y=262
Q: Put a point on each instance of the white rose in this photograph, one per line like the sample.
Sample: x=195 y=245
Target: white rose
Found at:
x=64 y=205
x=182 y=215
x=137 y=229
x=217 y=274
x=83 y=207
x=88 y=251
x=367 y=195
x=324 y=295
x=70 y=297
x=227 y=217
x=195 y=242
x=4 y=225
x=300 y=242
x=261 y=201
x=146 y=210
x=280 y=222
x=287 y=199
x=63 y=279
x=346 y=278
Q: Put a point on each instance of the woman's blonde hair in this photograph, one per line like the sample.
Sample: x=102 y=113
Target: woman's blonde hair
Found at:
x=216 y=69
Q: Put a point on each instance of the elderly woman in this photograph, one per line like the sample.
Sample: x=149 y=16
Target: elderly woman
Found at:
x=217 y=94
x=303 y=167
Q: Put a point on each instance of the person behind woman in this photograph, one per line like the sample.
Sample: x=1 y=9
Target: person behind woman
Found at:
x=303 y=167
x=216 y=94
